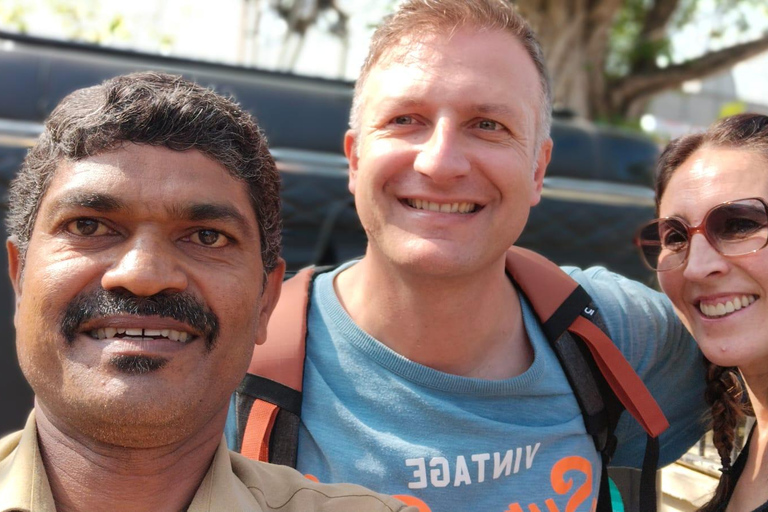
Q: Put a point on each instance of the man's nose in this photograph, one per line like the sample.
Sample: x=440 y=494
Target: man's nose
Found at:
x=703 y=259
x=147 y=265
x=442 y=157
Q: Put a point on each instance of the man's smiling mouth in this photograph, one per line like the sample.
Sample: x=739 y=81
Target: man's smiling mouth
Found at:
x=138 y=334
x=462 y=207
x=109 y=314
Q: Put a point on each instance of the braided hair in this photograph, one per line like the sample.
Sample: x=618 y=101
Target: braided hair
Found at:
x=729 y=403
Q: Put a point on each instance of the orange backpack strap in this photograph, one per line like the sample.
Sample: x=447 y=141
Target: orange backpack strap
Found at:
x=273 y=384
x=603 y=381
x=276 y=358
x=551 y=291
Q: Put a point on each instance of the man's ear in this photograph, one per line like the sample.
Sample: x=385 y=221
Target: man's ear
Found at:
x=350 y=150
x=14 y=266
x=15 y=271
x=540 y=168
x=269 y=299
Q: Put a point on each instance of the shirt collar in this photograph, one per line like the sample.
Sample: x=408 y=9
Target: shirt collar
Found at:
x=23 y=482
x=221 y=489
x=24 y=485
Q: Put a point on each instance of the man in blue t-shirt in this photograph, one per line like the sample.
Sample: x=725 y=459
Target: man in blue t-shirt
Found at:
x=427 y=374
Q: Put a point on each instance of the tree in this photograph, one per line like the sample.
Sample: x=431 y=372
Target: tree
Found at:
x=609 y=57
x=302 y=14
x=299 y=16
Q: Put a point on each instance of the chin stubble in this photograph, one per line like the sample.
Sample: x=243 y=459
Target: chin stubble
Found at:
x=137 y=365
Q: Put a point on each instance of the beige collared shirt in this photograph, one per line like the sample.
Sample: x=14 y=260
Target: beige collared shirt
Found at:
x=232 y=484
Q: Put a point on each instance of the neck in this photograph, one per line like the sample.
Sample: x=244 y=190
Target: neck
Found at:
x=756 y=385
x=469 y=325
x=750 y=491
x=85 y=474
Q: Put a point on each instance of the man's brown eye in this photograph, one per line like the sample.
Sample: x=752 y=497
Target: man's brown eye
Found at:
x=209 y=238
x=86 y=227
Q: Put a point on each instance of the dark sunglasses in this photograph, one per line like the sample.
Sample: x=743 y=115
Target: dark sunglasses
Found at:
x=733 y=228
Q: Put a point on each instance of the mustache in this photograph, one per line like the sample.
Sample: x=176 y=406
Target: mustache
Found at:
x=182 y=307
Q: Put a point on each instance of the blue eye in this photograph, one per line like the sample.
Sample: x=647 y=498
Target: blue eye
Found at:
x=487 y=124
x=403 y=120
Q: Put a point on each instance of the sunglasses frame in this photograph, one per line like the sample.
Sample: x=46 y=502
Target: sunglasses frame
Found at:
x=692 y=230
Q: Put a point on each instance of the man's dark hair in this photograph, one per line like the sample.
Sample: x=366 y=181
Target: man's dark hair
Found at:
x=159 y=110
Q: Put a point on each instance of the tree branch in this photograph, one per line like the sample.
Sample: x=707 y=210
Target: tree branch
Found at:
x=603 y=12
x=637 y=85
x=657 y=18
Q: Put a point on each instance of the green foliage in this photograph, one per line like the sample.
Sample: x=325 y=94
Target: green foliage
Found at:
x=686 y=13
x=13 y=15
x=727 y=20
x=81 y=20
x=85 y=21
x=627 y=49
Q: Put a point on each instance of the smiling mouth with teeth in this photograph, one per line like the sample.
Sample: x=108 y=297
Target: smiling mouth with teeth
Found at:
x=464 y=207
x=726 y=308
x=139 y=334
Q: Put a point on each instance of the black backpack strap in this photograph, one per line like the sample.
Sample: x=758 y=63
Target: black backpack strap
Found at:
x=286 y=423
x=602 y=380
x=599 y=405
x=600 y=408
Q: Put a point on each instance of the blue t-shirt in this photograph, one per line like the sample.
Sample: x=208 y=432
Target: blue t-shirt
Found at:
x=448 y=443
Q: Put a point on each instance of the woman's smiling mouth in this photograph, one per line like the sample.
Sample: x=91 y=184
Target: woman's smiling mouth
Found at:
x=720 y=308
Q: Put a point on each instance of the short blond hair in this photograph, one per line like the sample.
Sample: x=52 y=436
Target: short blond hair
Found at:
x=432 y=17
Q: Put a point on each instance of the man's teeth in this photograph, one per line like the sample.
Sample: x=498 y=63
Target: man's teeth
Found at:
x=724 y=308
x=420 y=204
x=111 y=332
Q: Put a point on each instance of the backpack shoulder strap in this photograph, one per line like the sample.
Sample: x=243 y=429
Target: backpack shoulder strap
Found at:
x=560 y=304
x=269 y=398
x=275 y=359
x=602 y=380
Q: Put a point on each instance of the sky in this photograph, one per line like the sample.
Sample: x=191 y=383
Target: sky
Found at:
x=752 y=79
x=750 y=76
x=194 y=29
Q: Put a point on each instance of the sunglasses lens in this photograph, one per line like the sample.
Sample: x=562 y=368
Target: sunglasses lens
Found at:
x=664 y=243
x=738 y=228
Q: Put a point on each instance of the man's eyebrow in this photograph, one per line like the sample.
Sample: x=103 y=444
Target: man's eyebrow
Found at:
x=106 y=203
x=95 y=201
x=496 y=108
x=400 y=102
x=481 y=108
x=212 y=211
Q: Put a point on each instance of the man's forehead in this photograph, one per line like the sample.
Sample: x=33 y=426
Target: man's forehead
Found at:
x=410 y=47
x=131 y=161
x=446 y=58
x=183 y=184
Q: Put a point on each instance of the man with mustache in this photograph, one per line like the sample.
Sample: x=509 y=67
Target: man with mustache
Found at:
x=144 y=239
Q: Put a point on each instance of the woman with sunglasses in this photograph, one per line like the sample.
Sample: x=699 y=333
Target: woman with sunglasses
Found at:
x=708 y=249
